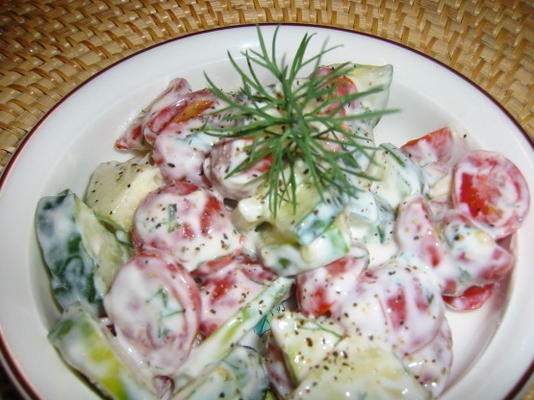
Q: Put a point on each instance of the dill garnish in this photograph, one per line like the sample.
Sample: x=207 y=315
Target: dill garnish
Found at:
x=297 y=121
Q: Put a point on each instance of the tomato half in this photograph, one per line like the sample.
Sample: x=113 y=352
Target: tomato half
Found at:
x=188 y=223
x=417 y=234
x=472 y=299
x=154 y=304
x=319 y=289
x=491 y=191
x=434 y=147
x=226 y=285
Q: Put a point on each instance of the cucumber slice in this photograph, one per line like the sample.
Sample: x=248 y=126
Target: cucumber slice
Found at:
x=397 y=176
x=372 y=223
x=359 y=368
x=116 y=189
x=290 y=258
x=88 y=347
x=304 y=342
x=367 y=77
x=313 y=214
x=241 y=375
x=205 y=358
x=269 y=395
x=81 y=254
x=371 y=76
x=316 y=221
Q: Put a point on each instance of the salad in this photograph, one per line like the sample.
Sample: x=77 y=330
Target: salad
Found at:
x=259 y=244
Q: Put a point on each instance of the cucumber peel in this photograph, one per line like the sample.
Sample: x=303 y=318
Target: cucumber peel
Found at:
x=81 y=254
x=87 y=346
x=204 y=358
x=241 y=375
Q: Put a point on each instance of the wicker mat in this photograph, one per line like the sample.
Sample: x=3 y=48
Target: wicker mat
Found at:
x=47 y=48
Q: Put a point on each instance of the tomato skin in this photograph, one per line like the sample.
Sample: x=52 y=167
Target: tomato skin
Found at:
x=226 y=285
x=318 y=290
x=491 y=191
x=186 y=107
x=225 y=157
x=174 y=117
x=187 y=222
x=417 y=234
x=475 y=258
x=472 y=299
x=142 y=304
x=434 y=147
x=172 y=111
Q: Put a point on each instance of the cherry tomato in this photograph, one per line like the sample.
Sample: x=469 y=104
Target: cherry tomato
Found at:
x=188 y=223
x=226 y=285
x=472 y=299
x=491 y=190
x=343 y=86
x=133 y=138
x=177 y=160
x=411 y=303
x=432 y=363
x=319 y=289
x=416 y=233
x=174 y=115
x=155 y=306
x=434 y=147
x=227 y=155
x=475 y=258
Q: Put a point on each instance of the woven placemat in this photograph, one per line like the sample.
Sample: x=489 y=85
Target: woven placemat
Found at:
x=47 y=48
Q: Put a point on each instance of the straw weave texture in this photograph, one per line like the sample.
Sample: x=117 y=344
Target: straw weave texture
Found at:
x=47 y=48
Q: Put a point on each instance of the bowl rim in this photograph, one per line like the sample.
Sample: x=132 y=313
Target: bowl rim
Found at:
x=10 y=364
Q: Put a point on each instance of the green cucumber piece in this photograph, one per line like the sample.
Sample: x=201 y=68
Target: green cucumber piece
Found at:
x=116 y=188
x=313 y=214
x=81 y=254
x=360 y=368
x=269 y=395
x=317 y=220
x=396 y=176
x=368 y=77
x=304 y=342
x=88 y=347
x=241 y=375
x=290 y=258
x=205 y=357
x=371 y=220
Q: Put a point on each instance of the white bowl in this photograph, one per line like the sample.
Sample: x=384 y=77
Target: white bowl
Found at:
x=493 y=347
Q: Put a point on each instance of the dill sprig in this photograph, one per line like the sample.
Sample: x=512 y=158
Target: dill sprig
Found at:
x=294 y=120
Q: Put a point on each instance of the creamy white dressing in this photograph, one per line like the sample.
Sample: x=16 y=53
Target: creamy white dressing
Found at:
x=397 y=177
x=178 y=160
x=372 y=224
x=154 y=313
x=430 y=365
x=223 y=160
x=172 y=222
